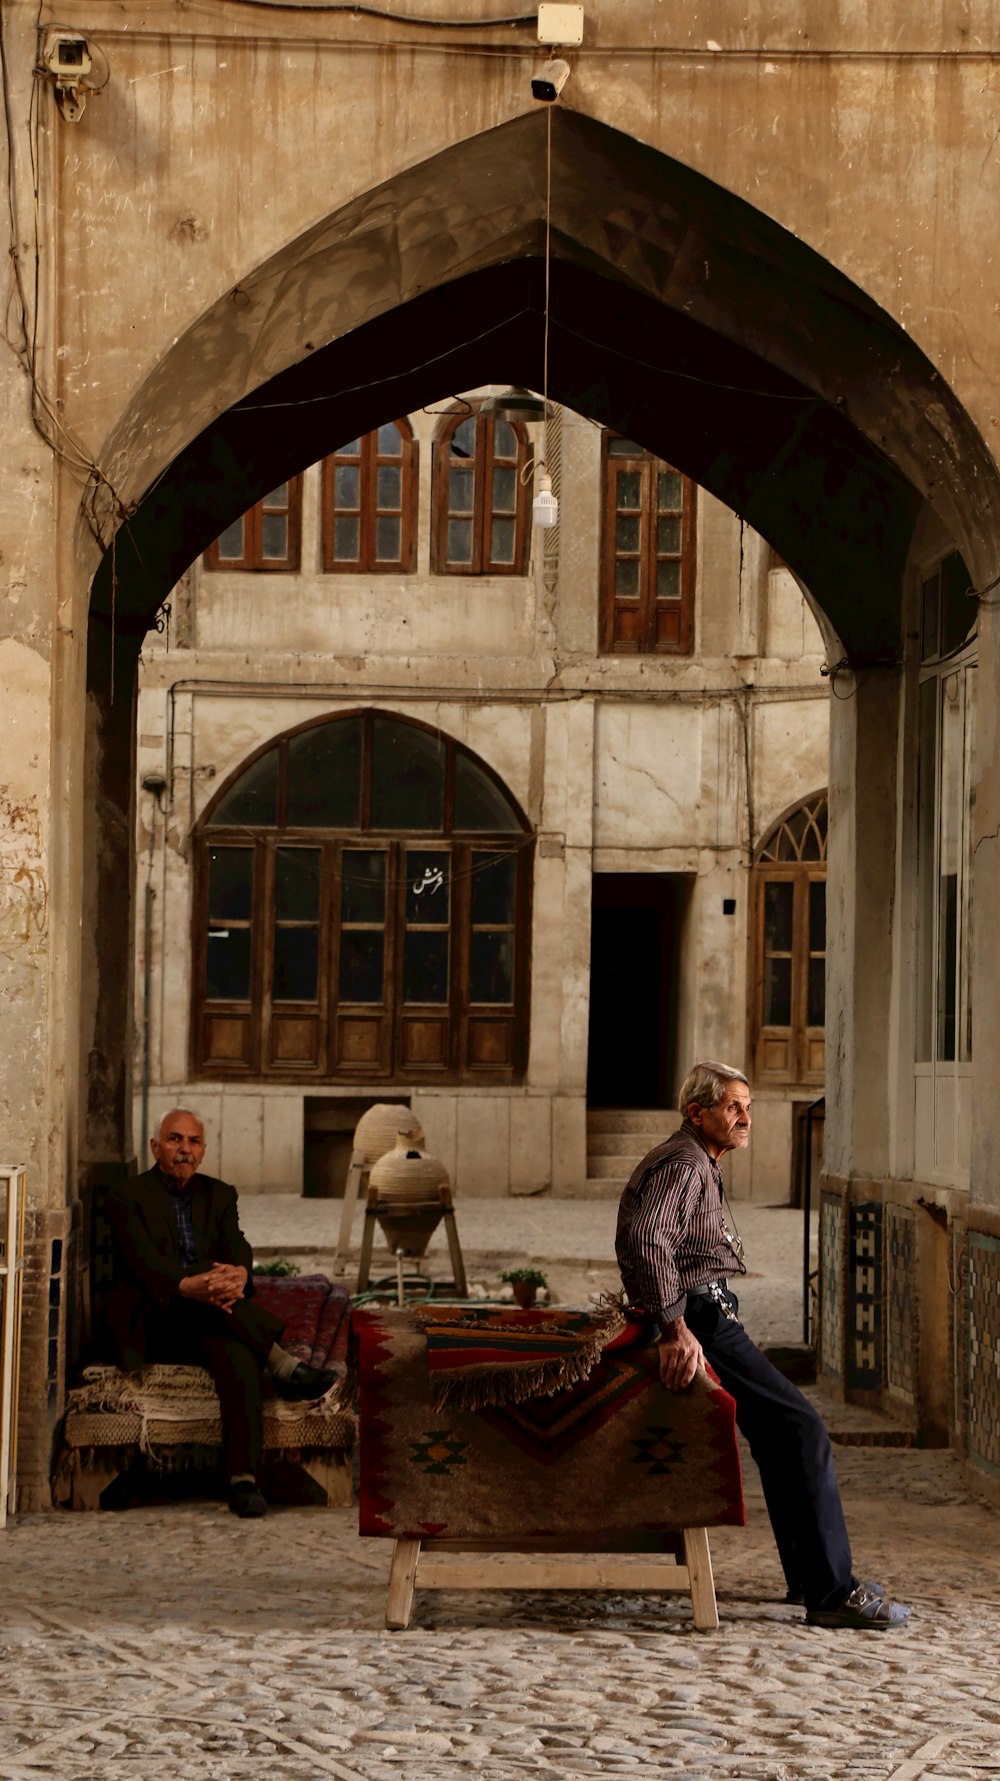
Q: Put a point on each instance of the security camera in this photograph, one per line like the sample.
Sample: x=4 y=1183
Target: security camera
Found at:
x=67 y=60
x=548 y=83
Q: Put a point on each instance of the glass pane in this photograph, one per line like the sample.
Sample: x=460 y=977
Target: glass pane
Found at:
x=461 y=489
x=930 y=605
x=428 y=886
x=779 y=899
x=296 y=953
x=390 y=441
x=817 y=916
x=362 y=886
x=629 y=489
x=816 y=1013
x=278 y=497
x=227 y=966
x=793 y=834
x=668 y=536
x=625 y=448
x=459 y=541
x=389 y=486
x=952 y=808
x=351 y=450
x=926 y=778
x=296 y=884
x=627 y=581
x=479 y=802
x=502 y=541
x=407 y=776
x=361 y=966
x=628 y=532
x=947 y=988
x=253 y=801
x=230 y=883
x=347 y=485
x=425 y=966
x=274 y=537
x=958 y=612
x=388 y=540
x=491 y=968
x=504 y=491
x=668 y=581
x=777 y=992
x=668 y=490
x=230 y=542
x=346 y=540
x=463 y=440
x=494 y=878
x=504 y=440
x=324 y=776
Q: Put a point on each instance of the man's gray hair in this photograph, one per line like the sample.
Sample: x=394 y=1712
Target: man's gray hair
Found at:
x=706 y=1084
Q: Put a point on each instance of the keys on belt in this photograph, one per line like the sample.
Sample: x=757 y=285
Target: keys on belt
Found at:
x=716 y=1291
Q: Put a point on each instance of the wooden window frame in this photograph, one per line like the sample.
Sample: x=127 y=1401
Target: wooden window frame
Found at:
x=369 y=460
x=483 y=461
x=650 y=610
x=285 y=1041
x=803 y=1064
x=253 y=537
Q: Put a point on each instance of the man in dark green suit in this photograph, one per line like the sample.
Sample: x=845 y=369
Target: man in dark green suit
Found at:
x=183 y=1292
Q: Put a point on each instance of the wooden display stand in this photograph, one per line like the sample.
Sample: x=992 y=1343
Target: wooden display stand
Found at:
x=11 y=1275
x=355 y=1188
x=429 y=1206
x=547 y=1564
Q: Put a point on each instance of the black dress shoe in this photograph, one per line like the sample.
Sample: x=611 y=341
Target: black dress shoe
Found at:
x=246 y=1501
x=306 y=1382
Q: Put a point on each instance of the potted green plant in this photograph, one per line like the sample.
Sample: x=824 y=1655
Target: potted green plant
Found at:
x=524 y=1283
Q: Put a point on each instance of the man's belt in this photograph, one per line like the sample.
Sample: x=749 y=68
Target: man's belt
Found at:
x=716 y=1290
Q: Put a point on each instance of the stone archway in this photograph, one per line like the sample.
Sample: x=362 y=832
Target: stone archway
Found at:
x=679 y=314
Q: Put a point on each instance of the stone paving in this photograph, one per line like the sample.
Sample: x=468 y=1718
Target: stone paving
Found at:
x=178 y=1644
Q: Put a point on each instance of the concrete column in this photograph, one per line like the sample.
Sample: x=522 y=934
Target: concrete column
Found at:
x=860 y=884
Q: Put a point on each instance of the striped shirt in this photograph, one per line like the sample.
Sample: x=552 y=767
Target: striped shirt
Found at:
x=670 y=1226
x=180 y=1199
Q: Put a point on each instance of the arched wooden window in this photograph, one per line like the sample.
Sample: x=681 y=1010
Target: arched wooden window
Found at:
x=788 y=939
x=369 y=503
x=648 y=555
x=481 y=497
x=361 y=912
x=267 y=536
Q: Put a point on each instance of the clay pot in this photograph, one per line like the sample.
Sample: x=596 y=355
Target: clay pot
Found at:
x=525 y=1292
x=377 y=1130
x=407 y=1172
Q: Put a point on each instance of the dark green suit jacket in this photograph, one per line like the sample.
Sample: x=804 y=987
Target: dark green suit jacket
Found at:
x=147 y=1256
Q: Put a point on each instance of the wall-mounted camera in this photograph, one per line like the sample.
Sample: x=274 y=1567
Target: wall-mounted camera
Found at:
x=548 y=83
x=67 y=60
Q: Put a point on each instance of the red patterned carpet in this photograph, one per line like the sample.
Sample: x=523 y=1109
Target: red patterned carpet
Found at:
x=614 y=1456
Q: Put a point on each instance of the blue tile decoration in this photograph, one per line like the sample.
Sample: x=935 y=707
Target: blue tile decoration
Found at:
x=984 y=1352
x=864 y=1297
x=901 y=1304
x=831 y=1223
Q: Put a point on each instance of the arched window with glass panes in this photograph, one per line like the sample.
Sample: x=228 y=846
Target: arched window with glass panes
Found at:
x=648 y=553
x=481 y=497
x=369 y=503
x=788 y=947
x=362 y=911
x=267 y=536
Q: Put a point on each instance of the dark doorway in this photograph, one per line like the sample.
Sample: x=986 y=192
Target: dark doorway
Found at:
x=633 y=988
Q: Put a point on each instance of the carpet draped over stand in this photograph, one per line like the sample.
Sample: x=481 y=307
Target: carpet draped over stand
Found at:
x=609 y=1454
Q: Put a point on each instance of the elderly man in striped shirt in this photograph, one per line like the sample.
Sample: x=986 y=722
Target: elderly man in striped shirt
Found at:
x=677 y=1254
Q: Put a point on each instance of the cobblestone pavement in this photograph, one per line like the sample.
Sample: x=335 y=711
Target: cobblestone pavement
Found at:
x=183 y=1643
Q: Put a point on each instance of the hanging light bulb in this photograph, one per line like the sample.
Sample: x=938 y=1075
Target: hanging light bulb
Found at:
x=545 y=506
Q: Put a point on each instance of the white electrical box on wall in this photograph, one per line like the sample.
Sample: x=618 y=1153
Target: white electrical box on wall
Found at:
x=560 y=24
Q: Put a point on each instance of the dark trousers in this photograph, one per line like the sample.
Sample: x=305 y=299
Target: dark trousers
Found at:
x=233 y=1346
x=792 y=1451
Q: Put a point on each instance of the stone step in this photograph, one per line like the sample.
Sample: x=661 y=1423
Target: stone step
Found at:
x=659 y=1120
x=633 y=1144
x=612 y=1168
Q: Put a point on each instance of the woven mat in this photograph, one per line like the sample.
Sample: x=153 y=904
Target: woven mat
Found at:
x=478 y=1355
x=614 y=1455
